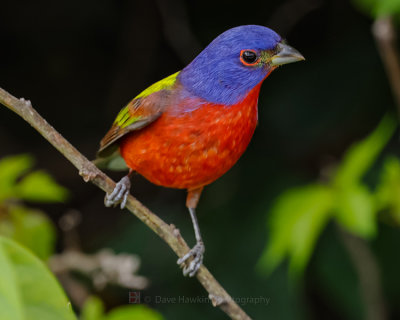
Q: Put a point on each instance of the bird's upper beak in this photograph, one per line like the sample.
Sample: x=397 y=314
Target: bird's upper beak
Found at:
x=286 y=54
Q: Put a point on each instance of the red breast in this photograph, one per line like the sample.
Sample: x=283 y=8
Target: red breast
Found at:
x=195 y=148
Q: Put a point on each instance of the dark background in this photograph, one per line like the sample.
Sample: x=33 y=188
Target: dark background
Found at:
x=81 y=61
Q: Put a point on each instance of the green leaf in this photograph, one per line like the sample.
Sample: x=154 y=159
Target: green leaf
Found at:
x=137 y=312
x=296 y=220
x=28 y=290
x=355 y=211
x=387 y=7
x=93 y=309
x=39 y=186
x=34 y=230
x=388 y=190
x=11 y=168
x=378 y=8
x=361 y=156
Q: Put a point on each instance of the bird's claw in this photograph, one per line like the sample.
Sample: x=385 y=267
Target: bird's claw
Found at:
x=120 y=193
x=197 y=253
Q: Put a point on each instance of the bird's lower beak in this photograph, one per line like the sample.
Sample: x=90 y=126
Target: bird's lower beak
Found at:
x=286 y=54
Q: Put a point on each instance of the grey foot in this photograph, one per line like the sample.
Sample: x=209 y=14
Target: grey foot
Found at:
x=197 y=253
x=119 y=194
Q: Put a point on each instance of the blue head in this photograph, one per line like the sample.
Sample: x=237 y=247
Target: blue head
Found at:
x=235 y=62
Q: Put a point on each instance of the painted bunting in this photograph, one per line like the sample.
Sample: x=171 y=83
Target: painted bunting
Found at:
x=188 y=129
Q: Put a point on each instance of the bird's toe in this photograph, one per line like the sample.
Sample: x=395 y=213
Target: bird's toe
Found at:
x=197 y=252
x=119 y=195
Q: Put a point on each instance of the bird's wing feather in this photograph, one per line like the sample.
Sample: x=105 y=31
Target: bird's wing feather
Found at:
x=138 y=113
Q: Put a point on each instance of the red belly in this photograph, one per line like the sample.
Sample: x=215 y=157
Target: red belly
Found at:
x=192 y=149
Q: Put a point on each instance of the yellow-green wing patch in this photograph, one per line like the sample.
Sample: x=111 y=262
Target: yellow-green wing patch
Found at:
x=165 y=83
x=138 y=113
x=126 y=117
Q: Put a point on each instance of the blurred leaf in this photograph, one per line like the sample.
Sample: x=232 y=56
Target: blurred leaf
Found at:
x=93 y=309
x=378 y=8
x=36 y=186
x=34 y=230
x=39 y=186
x=11 y=168
x=299 y=214
x=296 y=220
x=355 y=207
x=355 y=211
x=388 y=190
x=361 y=156
x=137 y=312
x=28 y=290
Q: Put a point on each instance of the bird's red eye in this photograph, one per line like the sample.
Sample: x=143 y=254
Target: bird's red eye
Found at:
x=249 y=57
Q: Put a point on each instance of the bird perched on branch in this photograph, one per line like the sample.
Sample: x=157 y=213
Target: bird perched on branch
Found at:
x=188 y=129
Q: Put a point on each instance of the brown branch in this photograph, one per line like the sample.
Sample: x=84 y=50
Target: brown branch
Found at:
x=385 y=38
x=368 y=275
x=217 y=294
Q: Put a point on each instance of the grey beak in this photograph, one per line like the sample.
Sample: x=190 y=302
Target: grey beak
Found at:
x=286 y=54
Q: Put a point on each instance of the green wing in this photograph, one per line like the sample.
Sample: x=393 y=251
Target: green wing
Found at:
x=138 y=113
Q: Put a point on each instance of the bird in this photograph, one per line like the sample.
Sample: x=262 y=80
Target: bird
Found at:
x=190 y=128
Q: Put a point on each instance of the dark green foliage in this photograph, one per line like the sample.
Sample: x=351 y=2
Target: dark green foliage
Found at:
x=94 y=310
x=27 y=288
x=379 y=8
x=300 y=214
x=30 y=227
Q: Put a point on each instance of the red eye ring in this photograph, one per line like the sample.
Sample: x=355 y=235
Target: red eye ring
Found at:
x=249 y=57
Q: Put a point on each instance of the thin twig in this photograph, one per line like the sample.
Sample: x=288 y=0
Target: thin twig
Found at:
x=368 y=273
x=385 y=38
x=218 y=296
